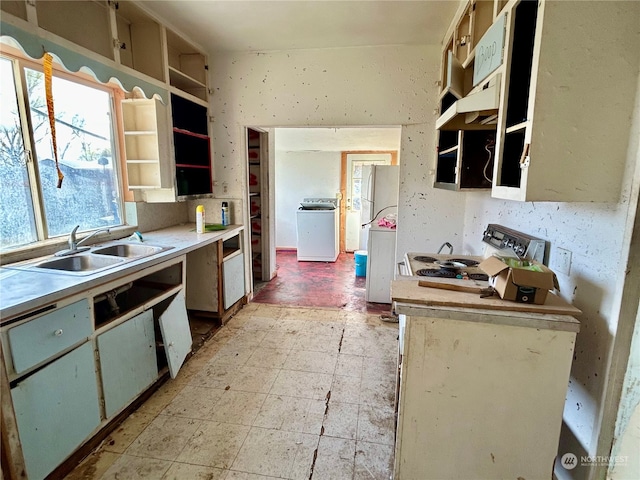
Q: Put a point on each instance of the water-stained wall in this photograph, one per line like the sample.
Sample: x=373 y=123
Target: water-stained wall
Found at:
x=368 y=86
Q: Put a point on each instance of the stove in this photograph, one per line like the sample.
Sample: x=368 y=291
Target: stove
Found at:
x=498 y=240
x=434 y=266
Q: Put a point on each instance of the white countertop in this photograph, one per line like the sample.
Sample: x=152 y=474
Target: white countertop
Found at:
x=23 y=290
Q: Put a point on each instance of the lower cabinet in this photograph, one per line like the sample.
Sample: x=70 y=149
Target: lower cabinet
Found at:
x=233 y=280
x=56 y=409
x=128 y=362
x=215 y=277
x=73 y=369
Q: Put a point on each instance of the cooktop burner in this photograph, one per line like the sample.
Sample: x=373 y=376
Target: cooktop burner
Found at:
x=436 y=272
x=466 y=261
x=424 y=259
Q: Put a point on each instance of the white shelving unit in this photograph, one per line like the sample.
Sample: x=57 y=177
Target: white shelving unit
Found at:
x=146 y=134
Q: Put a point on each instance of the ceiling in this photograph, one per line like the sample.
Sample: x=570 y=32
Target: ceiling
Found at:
x=249 y=25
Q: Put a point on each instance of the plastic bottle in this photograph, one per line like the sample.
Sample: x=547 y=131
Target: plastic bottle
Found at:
x=225 y=213
x=200 y=219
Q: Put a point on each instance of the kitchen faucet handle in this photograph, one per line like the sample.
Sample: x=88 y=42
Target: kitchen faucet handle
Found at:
x=72 y=237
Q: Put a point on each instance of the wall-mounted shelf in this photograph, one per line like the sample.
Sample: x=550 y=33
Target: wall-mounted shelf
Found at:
x=145 y=127
x=191 y=146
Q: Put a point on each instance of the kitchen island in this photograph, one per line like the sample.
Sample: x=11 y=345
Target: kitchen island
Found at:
x=481 y=389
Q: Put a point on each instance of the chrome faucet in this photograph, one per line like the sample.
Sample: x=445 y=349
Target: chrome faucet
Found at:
x=74 y=245
x=446 y=244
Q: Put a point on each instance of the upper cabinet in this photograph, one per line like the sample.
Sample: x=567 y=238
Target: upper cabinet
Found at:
x=565 y=110
x=191 y=146
x=551 y=84
x=85 y=23
x=140 y=42
x=123 y=34
x=187 y=67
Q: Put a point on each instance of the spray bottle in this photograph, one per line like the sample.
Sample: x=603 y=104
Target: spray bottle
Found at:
x=200 y=219
x=225 y=213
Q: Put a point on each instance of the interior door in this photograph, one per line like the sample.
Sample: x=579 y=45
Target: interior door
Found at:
x=352 y=182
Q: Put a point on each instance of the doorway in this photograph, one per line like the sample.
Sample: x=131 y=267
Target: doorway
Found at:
x=306 y=162
x=351 y=182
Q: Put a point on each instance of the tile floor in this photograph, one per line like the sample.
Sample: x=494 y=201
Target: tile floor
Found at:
x=279 y=392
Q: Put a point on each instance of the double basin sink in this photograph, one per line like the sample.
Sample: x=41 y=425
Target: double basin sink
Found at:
x=99 y=258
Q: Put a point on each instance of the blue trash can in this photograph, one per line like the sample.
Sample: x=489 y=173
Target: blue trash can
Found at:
x=360 y=257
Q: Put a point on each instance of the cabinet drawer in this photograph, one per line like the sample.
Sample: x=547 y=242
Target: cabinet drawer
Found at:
x=43 y=337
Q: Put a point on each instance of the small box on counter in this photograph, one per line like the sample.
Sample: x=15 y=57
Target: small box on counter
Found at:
x=519 y=280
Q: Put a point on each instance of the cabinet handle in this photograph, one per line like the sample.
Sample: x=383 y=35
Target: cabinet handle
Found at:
x=58 y=333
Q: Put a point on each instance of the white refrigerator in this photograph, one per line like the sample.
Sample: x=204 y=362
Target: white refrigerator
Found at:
x=380 y=184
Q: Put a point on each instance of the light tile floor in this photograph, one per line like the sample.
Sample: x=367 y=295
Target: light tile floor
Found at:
x=279 y=392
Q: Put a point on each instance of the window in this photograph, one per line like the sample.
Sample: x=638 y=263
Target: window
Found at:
x=32 y=208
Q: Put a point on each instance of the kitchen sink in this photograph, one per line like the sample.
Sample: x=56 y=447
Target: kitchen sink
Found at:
x=80 y=263
x=127 y=250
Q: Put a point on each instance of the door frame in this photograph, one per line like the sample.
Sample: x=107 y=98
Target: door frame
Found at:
x=343 y=186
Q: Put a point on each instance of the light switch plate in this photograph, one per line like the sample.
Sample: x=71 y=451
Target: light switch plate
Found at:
x=562 y=262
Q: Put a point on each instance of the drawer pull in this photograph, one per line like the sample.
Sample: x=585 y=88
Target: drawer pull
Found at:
x=58 y=333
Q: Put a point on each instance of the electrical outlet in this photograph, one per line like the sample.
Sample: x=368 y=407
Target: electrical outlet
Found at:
x=563 y=261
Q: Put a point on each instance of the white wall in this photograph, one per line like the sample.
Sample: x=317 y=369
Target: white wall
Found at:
x=368 y=86
x=299 y=175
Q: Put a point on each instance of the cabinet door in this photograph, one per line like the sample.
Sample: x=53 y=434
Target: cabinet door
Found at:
x=381 y=263
x=233 y=280
x=56 y=409
x=176 y=334
x=127 y=361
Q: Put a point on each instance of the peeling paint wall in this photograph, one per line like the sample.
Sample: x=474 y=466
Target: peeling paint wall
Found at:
x=368 y=86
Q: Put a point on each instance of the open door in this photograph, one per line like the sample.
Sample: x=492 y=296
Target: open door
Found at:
x=176 y=335
x=351 y=184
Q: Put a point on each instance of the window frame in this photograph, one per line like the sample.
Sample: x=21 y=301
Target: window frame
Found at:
x=44 y=242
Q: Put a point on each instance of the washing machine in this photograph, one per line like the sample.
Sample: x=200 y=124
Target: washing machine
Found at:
x=318 y=230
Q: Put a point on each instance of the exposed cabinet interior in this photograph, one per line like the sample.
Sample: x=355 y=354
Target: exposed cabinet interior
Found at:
x=146 y=152
x=140 y=41
x=138 y=294
x=466 y=126
x=17 y=8
x=215 y=278
x=547 y=69
x=256 y=164
x=187 y=66
x=84 y=22
x=465 y=159
x=191 y=146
